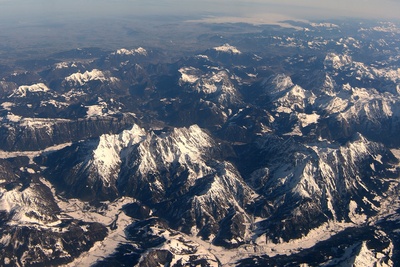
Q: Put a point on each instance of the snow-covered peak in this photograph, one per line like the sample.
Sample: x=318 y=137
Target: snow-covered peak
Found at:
x=189 y=75
x=294 y=99
x=217 y=84
x=210 y=84
x=370 y=104
x=278 y=83
x=328 y=86
x=64 y=65
x=324 y=25
x=191 y=141
x=336 y=61
x=227 y=49
x=184 y=145
x=35 y=88
x=106 y=156
x=28 y=205
x=369 y=257
x=137 y=51
x=386 y=27
x=94 y=75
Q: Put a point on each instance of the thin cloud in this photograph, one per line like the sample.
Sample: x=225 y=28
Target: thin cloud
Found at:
x=299 y=9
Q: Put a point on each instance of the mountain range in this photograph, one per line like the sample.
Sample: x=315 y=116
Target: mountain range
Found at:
x=272 y=148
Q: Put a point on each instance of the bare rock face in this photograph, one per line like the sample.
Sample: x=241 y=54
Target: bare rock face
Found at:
x=38 y=134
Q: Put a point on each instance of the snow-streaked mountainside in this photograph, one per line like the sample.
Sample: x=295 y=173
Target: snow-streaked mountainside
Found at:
x=273 y=147
x=215 y=84
x=124 y=51
x=23 y=90
x=79 y=79
x=227 y=49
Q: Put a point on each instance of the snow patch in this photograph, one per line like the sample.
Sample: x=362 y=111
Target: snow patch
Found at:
x=21 y=204
x=137 y=51
x=23 y=90
x=54 y=103
x=280 y=82
x=227 y=49
x=94 y=110
x=189 y=75
x=203 y=57
x=367 y=257
x=337 y=61
x=113 y=213
x=13 y=118
x=307 y=119
x=7 y=105
x=184 y=248
x=94 y=75
x=396 y=153
x=324 y=25
x=337 y=105
x=64 y=65
x=355 y=216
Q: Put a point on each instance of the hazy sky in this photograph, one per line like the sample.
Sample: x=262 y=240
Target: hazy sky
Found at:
x=55 y=25
x=16 y=10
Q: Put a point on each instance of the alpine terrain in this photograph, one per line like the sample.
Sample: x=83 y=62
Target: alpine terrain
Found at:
x=266 y=147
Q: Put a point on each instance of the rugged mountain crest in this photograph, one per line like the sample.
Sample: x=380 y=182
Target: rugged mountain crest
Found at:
x=312 y=184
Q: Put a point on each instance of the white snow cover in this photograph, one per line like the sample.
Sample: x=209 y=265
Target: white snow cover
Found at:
x=227 y=49
x=7 y=105
x=54 y=103
x=64 y=65
x=336 y=105
x=230 y=257
x=76 y=209
x=35 y=88
x=294 y=99
x=337 y=61
x=38 y=123
x=183 y=145
x=307 y=119
x=353 y=104
x=94 y=75
x=139 y=50
x=360 y=70
x=319 y=179
x=372 y=104
x=370 y=258
x=279 y=83
x=386 y=27
x=355 y=216
x=106 y=157
x=211 y=83
x=363 y=257
x=216 y=82
x=189 y=75
x=202 y=56
x=13 y=118
x=22 y=203
x=179 y=244
x=223 y=191
x=324 y=25
x=94 y=110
